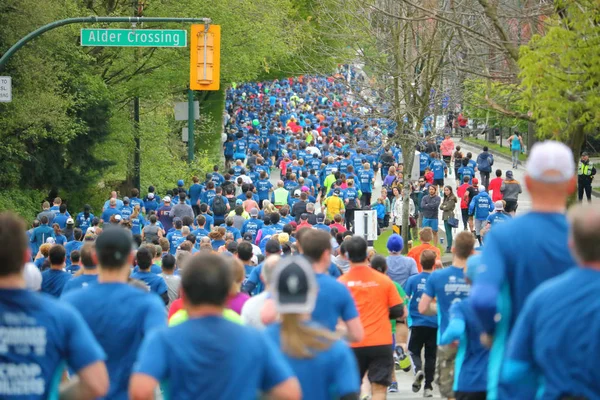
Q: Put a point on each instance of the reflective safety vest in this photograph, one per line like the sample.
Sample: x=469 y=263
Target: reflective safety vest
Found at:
x=585 y=169
x=281 y=197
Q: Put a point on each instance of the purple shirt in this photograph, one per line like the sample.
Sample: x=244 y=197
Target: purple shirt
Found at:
x=389 y=180
x=236 y=303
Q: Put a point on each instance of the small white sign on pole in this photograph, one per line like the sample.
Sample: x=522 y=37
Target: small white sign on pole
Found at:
x=365 y=223
x=181 y=111
x=5 y=89
x=184 y=134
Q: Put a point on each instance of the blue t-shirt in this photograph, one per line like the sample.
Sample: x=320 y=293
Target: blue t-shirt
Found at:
x=470 y=366
x=82 y=222
x=466 y=171
x=515 y=261
x=334 y=301
x=438 y=167
x=71 y=246
x=53 y=281
x=120 y=316
x=554 y=343
x=40 y=334
x=330 y=374
x=156 y=283
x=195 y=192
x=448 y=286
x=252 y=225
x=77 y=282
x=366 y=181
x=190 y=359
x=498 y=218
x=154 y=269
x=424 y=161
x=414 y=288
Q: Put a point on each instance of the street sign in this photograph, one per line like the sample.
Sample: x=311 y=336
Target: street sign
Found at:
x=181 y=111
x=134 y=37
x=185 y=134
x=5 y=89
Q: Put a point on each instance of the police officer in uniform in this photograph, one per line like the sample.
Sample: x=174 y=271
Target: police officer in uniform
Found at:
x=585 y=172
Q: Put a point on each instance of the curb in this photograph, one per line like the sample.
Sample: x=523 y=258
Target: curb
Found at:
x=595 y=193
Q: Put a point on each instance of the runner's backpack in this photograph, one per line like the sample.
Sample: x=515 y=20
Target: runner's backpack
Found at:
x=219 y=207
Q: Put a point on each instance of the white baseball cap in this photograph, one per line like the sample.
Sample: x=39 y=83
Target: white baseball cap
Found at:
x=551 y=162
x=167 y=199
x=499 y=205
x=33 y=277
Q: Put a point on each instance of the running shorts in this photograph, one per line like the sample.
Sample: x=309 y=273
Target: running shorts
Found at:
x=378 y=361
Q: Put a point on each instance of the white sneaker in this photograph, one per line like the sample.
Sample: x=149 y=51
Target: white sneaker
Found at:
x=416 y=386
x=428 y=393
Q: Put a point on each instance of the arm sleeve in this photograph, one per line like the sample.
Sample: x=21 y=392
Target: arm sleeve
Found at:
x=82 y=349
x=519 y=365
x=276 y=370
x=456 y=326
x=490 y=278
x=349 y=310
x=252 y=281
x=430 y=286
x=152 y=357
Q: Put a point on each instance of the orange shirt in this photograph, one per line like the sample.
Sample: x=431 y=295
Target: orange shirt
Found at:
x=374 y=293
x=415 y=253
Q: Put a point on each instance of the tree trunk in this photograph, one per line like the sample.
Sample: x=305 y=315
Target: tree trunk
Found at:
x=576 y=144
x=408 y=156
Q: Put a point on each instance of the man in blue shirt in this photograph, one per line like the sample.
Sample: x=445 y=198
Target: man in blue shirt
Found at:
x=55 y=278
x=512 y=251
x=156 y=283
x=195 y=365
x=562 y=312
x=110 y=211
x=90 y=271
x=448 y=286
x=498 y=216
x=423 y=328
x=466 y=171
x=40 y=333
x=119 y=315
x=470 y=377
x=84 y=219
x=118 y=202
x=424 y=161
x=367 y=180
x=439 y=169
x=480 y=207
x=41 y=233
x=195 y=193
x=74 y=244
x=253 y=224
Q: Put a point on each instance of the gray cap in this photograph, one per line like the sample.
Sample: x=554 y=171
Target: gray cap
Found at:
x=294 y=286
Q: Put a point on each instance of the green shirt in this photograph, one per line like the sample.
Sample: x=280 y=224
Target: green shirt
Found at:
x=181 y=316
x=402 y=294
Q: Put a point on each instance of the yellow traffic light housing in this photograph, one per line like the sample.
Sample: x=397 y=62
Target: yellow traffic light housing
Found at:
x=205 y=57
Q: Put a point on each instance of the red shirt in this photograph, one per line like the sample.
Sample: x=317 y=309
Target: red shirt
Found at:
x=429 y=177
x=339 y=227
x=303 y=224
x=462 y=189
x=494 y=187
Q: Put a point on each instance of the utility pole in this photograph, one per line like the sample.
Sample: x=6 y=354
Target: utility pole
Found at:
x=137 y=170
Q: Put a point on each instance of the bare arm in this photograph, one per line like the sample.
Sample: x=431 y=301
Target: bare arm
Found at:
x=426 y=306
x=356 y=332
x=142 y=387
x=286 y=390
x=91 y=382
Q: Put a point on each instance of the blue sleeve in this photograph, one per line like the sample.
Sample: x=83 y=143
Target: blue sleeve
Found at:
x=519 y=367
x=156 y=316
x=252 y=281
x=408 y=287
x=430 y=286
x=456 y=327
x=82 y=349
x=152 y=357
x=334 y=271
x=490 y=279
x=491 y=205
x=349 y=310
x=346 y=378
x=276 y=369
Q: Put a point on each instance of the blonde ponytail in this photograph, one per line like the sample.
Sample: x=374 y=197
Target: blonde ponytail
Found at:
x=299 y=340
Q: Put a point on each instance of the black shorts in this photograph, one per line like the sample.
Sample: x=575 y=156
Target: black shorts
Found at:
x=378 y=361
x=470 y=395
x=447 y=159
x=438 y=182
x=511 y=206
x=228 y=158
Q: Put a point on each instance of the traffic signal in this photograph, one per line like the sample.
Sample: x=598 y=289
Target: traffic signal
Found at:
x=205 y=57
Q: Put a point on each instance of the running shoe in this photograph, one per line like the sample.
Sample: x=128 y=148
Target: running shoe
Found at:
x=403 y=359
x=416 y=386
x=428 y=393
x=393 y=388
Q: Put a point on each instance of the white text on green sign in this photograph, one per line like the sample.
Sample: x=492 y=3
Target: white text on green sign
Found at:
x=134 y=37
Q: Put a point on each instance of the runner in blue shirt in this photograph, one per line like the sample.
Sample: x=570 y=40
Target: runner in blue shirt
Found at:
x=439 y=169
x=119 y=315
x=325 y=365
x=480 y=207
x=448 y=286
x=466 y=171
x=253 y=224
x=84 y=218
x=498 y=216
x=155 y=283
x=367 y=179
x=553 y=349
x=90 y=272
x=423 y=328
x=207 y=345
x=40 y=333
x=195 y=193
x=55 y=278
x=538 y=238
x=424 y=161
x=470 y=375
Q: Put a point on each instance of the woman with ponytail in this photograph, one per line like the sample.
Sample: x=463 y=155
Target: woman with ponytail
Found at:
x=324 y=364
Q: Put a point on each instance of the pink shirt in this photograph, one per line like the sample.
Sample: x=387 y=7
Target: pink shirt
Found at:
x=447 y=147
x=237 y=302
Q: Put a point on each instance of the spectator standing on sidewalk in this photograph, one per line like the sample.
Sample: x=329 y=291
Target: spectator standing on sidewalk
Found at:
x=448 y=206
x=430 y=205
x=585 y=175
x=484 y=164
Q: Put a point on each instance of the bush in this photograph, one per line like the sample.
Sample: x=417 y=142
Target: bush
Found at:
x=26 y=203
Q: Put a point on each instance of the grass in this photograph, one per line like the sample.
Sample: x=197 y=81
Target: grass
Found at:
x=380 y=245
x=495 y=148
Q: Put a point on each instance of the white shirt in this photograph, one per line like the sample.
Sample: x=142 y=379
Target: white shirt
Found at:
x=251 y=310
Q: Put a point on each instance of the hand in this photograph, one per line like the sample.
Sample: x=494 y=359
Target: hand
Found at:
x=486 y=340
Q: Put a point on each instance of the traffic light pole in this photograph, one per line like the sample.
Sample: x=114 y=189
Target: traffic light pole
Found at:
x=191 y=116
x=83 y=20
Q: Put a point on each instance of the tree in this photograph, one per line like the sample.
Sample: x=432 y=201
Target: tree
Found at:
x=561 y=74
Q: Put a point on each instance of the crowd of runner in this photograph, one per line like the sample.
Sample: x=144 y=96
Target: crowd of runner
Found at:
x=231 y=286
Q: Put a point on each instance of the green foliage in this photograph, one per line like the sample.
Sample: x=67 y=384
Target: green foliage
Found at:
x=26 y=203
x=561 y=71
x=506 y=95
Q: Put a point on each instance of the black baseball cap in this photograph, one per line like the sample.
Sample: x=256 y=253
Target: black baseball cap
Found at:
x=272 y=247
x=113 y=246
x=320 y=217
x=294 y=286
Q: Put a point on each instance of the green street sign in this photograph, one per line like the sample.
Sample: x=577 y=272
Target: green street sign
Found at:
x=134 y=37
